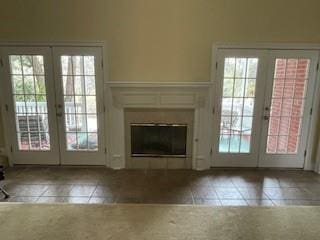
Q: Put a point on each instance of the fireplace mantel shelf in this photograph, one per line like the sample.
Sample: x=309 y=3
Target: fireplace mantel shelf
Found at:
x=130 y=84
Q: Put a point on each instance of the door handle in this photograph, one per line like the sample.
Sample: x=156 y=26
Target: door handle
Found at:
x=265 y=117
x=59 y=114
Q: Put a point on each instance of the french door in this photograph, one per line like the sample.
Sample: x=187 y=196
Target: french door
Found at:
x=287 y=106
x=262 y=103
x=239 y=94
x=54 y=103
x=80 y=108
x=29 y=98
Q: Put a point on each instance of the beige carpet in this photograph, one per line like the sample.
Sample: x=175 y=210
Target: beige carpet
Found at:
x=75 y=221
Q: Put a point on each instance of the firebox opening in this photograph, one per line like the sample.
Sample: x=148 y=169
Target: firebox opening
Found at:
x=158 y=140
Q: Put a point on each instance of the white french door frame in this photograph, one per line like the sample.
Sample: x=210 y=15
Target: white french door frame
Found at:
x=238 y=159
x=8 y=136
x=313 y=147
x=80 y=157
x=289 y=160
x=16 y=156
x=312 y=158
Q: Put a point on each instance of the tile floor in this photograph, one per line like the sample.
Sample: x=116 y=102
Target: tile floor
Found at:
x=219 y=187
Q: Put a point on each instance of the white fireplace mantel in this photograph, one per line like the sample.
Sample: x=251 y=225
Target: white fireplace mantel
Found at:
x=123 y=95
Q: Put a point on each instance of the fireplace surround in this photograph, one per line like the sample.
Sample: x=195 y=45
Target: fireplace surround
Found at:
x=146 y=98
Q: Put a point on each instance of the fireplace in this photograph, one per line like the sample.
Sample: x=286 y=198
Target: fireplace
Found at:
x=159 y=102
x=158 y=140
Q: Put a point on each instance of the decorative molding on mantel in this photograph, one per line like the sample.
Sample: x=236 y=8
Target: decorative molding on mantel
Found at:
x=159 y=95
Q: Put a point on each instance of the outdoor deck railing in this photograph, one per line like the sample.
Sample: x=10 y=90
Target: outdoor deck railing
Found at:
x=40 y=108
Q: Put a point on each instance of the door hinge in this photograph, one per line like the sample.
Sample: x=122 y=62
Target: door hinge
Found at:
x=105 y=150
x=101 y=63
x=11 y=149
x=317 y=66
x=305 y=153
x=211 y=151
x=1 y=62
x=311 y=110
x=104 y=108
x=213 y=110
x=7 y=108
x=216 y=65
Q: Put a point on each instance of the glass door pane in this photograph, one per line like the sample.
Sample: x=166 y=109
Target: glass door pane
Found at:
x=27 y=76
x=289 y=97
x=79 y=95
x=287 y=102
x=238 y=99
